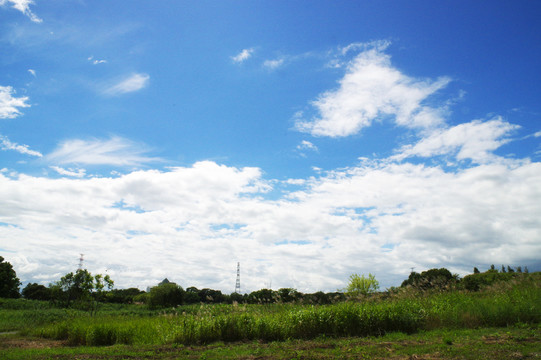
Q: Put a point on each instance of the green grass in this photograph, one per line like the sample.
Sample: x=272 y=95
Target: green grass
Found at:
x=488 y=343
x=515 y=302
x=503 y=305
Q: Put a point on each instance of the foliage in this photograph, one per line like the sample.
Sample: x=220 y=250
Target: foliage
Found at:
x=407 y=310
x=166 y=294
x=476 y=281
x=122 y=296
x=34 y=291
x=431 y=279
x=263 y=296
x=9 y=282
x=82 y=288
x=361 y=285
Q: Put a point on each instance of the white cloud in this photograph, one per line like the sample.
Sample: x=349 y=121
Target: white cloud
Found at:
x=192 y=224
x=6 y=144
x=537 y=134
x=307 y=145
x=96 y=61
x=475 y=140
x=9 y=104
x=273 y=64
x=32 y=72
x=372 y=90
x=134 y=82
x=244 y=55
x=79 y=173
x=115 y=151
x=23 y=6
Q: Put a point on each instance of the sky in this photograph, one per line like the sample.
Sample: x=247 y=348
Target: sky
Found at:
x=306 y=141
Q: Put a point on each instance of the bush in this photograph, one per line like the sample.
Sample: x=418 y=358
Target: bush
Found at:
x=431 y=279
x=35 y=291
x=165 y=295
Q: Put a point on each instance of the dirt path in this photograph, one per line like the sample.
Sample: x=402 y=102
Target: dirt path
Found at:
x=7 y=340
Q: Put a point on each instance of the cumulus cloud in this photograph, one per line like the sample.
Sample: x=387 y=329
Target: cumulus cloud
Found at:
x=9 y=104
x=134 y=82
x=115 y=151
x=372 y=89
x=192 y=224
x=475 y=141
x=6 y=144
x=23 y=6
x=244 y=55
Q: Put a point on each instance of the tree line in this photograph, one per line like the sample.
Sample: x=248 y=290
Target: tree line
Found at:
x=83 y=290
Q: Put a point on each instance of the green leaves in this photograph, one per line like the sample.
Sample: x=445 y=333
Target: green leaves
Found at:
x=361 y=285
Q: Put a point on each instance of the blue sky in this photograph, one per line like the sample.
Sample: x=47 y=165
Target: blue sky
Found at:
x=307 y=140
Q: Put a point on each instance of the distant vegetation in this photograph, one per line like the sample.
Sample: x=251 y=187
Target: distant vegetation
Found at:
x=82 y=290
x=68 y=309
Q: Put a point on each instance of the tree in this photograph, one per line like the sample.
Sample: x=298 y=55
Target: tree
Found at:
x=122 y=296
x=361 y=285
x=9 y=282
x=166 y=294
x=192 y=295
x=34 y=291
x=262 y=296
x=431 y=279
x=288 y=294
x=81 y=287
x=476 y=270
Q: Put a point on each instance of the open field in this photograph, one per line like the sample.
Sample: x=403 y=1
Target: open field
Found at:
x=489 y=343
x=502 y=321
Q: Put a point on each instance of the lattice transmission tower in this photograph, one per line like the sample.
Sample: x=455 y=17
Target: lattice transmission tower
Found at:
x=237 y=284
x=81 y=260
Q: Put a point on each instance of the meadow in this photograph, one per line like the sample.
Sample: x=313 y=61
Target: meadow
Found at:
x=514 y=304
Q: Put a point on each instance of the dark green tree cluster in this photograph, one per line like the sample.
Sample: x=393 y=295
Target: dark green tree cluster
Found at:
x=9 y=282
x=166 y=295
x=123 y=296
x=431 y=279
x=34 y=291
x=478 y=280
x=84 y=290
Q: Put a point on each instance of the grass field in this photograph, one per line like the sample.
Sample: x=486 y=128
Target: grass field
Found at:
x=487 y=343
x=502 y=321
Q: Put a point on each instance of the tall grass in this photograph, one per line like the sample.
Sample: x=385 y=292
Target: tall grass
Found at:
x=501 y=305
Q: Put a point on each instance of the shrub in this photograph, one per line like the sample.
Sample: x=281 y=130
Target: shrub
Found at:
x=165 y=295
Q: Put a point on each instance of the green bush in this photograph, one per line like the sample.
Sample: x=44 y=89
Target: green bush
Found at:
x=165 y=295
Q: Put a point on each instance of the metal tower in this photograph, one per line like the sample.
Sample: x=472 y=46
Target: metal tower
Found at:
x=237 y=284
x=81 y=259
